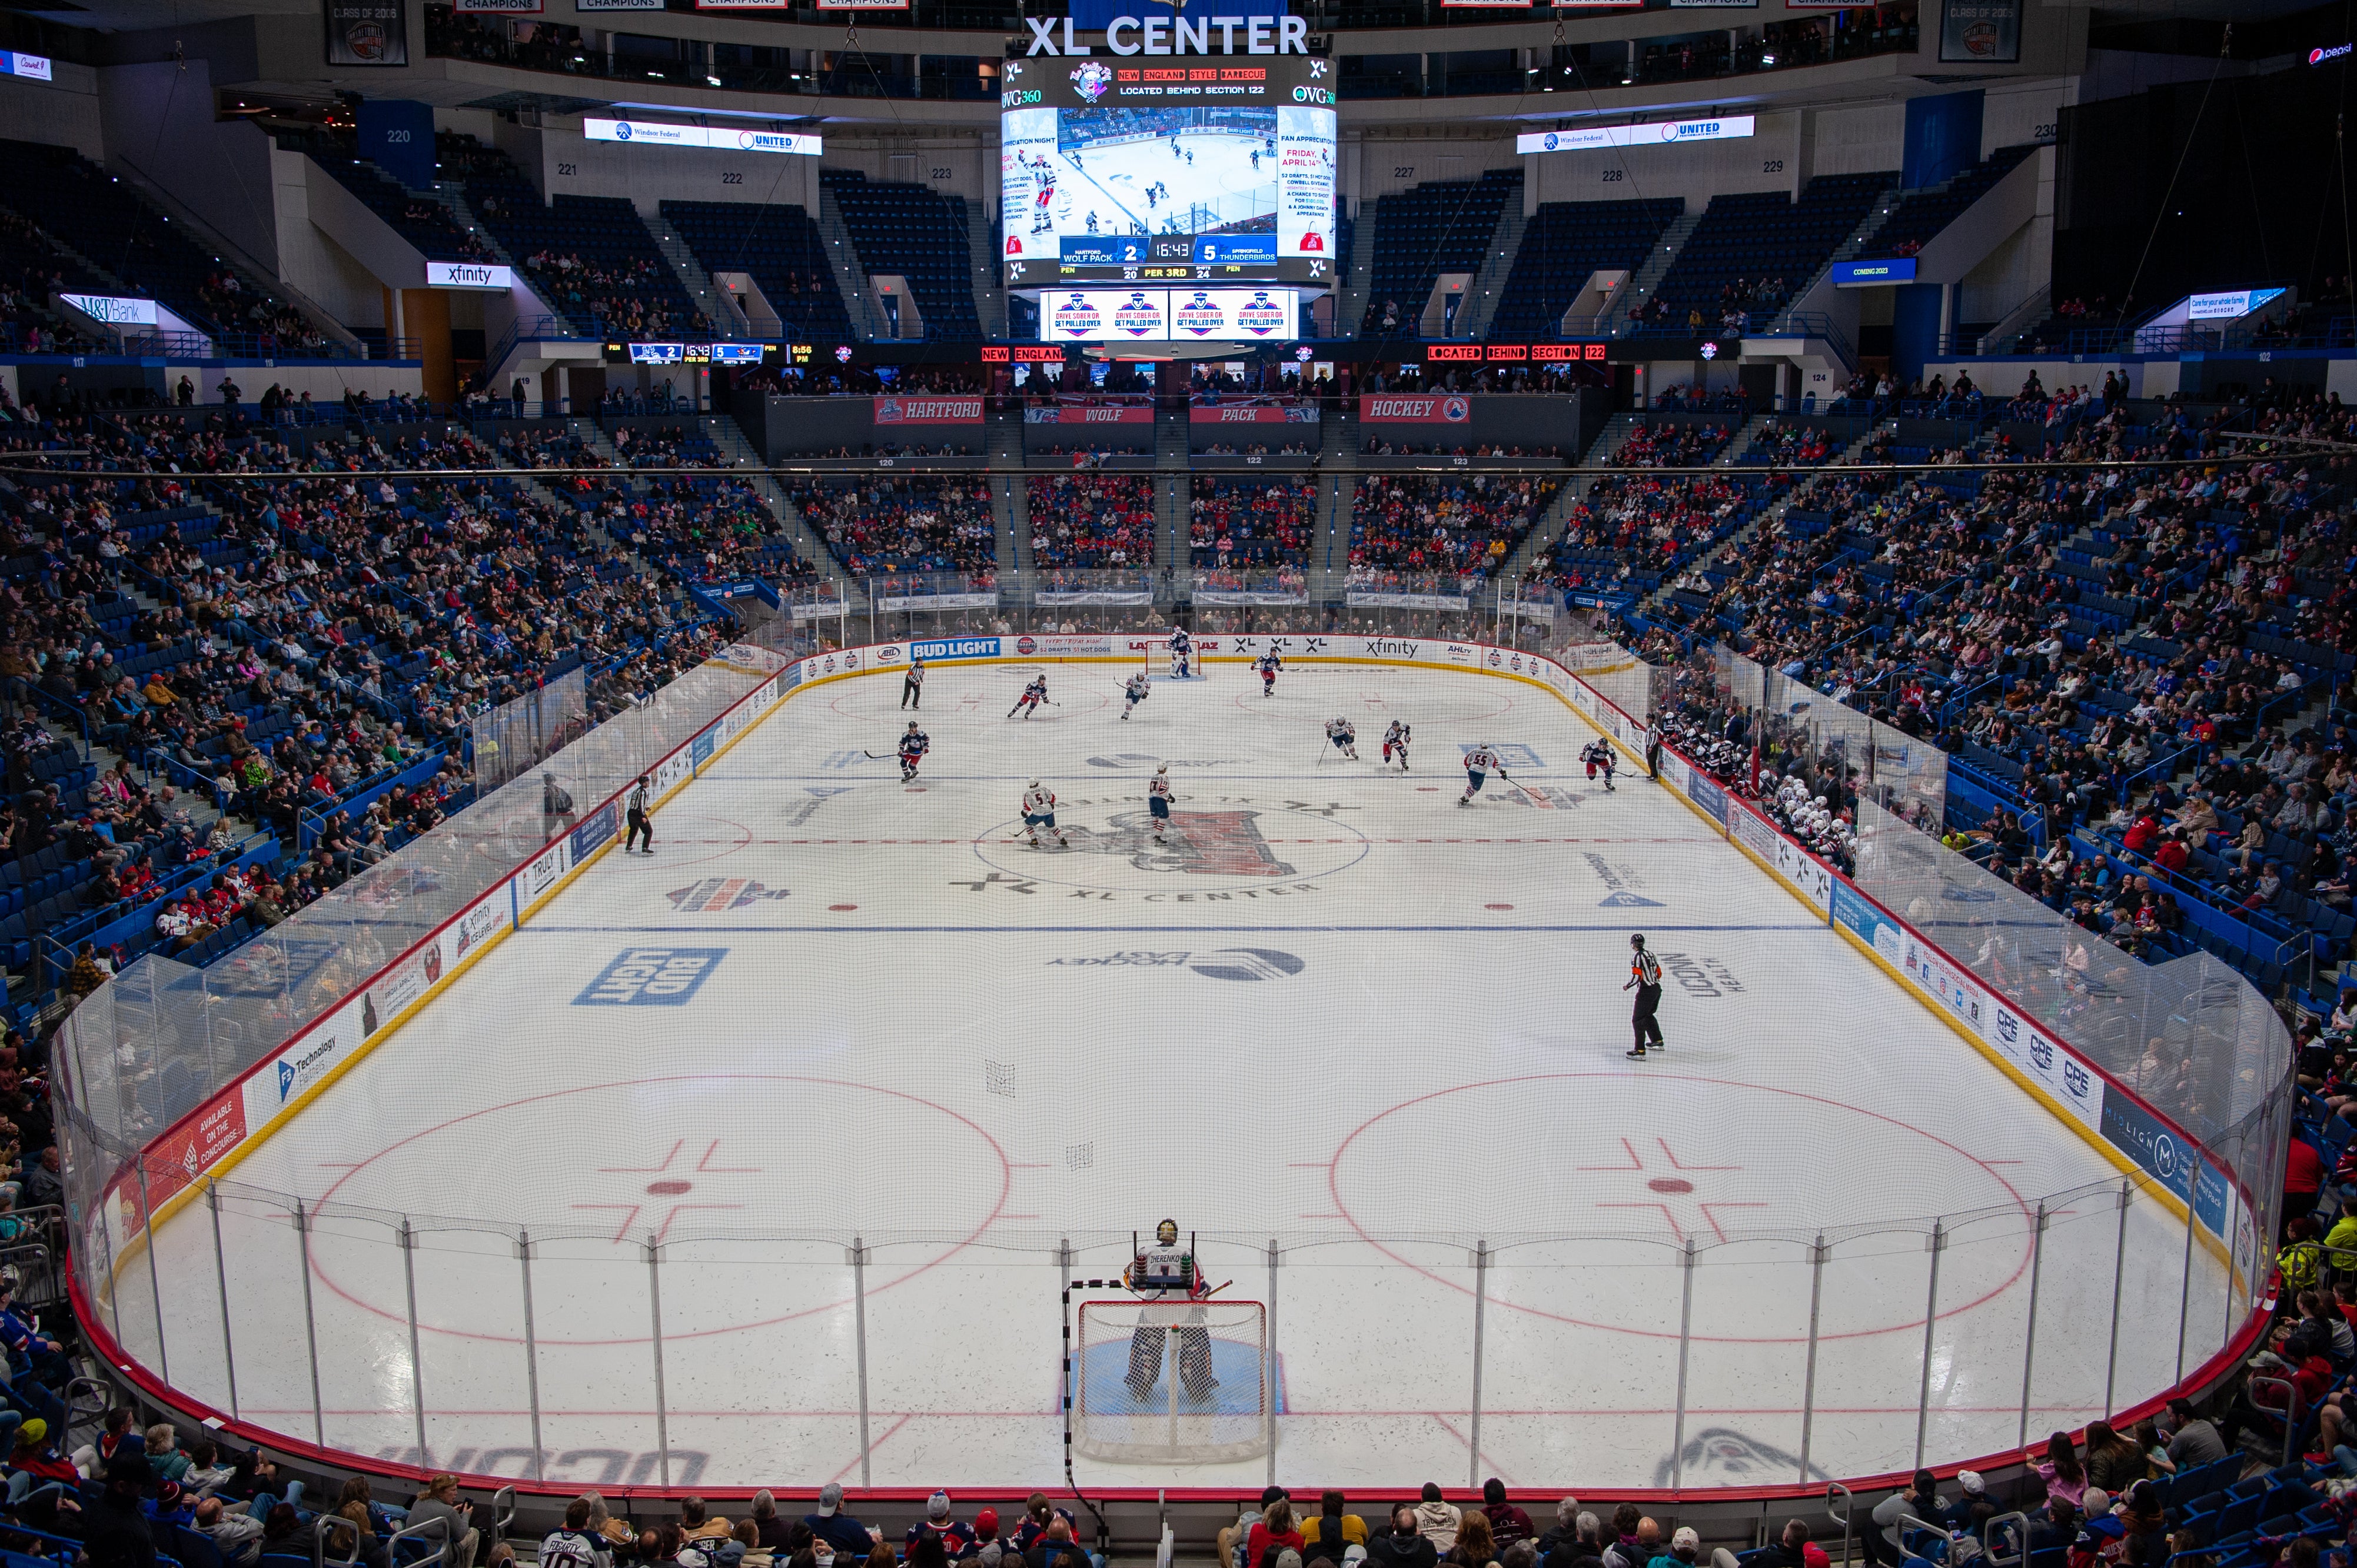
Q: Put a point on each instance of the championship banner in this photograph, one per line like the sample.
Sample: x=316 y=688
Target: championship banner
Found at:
x=1392 y=408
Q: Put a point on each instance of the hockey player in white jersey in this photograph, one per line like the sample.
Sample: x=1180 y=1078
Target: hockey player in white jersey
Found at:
x=1157 y=800
x=1164 y=1274
x=1182 y=654
x=1136 y=689
x=1039 y=812
x=1478 y=764
x=1395 y=744
x=1269 y=664
x=1344 y=738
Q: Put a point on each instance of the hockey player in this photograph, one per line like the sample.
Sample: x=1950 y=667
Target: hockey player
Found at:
x=913 y=746
x=1645 y=976
x=1344 y=738
x=1478 y=763
x=1601 y=754
x=1157 y=800
x=1033 y=695
x=1269 y=665
x=1039 y=812
x=1165 y=1273
x=1182 y=654
x=1395 y=740
x=1136 y=689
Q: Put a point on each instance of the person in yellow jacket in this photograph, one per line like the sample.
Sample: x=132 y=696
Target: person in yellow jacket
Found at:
x=1331 y=1531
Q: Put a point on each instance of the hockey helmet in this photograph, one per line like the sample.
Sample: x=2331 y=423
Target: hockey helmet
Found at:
x=1166 y=1233
x=1636 y=939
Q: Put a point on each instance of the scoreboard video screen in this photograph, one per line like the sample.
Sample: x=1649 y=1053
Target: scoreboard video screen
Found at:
x=1191 y=169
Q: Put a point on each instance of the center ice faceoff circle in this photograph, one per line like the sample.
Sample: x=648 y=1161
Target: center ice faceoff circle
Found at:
x=1220 y=844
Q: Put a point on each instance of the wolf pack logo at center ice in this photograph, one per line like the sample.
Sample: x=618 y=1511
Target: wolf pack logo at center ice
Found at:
x=716 y=894
x=1260 y=315
x=1140 y=315
x=1200 y=843
x=1076 y=315
x=1196 y=314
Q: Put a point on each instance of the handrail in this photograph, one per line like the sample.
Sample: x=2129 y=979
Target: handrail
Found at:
x=1842 y=1513
x=1988 y=1537
x=2293 y=1416
x=441 y=1553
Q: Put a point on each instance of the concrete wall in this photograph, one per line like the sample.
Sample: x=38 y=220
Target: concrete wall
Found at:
x=1785 y=150
x=570 y=165
x=309 y=259
x=159 y=124
x=64 y=113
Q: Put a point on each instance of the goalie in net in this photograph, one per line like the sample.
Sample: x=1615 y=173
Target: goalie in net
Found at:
x=1166 y=1273
x=1170 y=1375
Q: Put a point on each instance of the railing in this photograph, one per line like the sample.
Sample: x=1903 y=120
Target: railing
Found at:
x=2336 y=332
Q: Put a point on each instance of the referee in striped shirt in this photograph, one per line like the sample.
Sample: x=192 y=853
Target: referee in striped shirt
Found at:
x=1645 y=975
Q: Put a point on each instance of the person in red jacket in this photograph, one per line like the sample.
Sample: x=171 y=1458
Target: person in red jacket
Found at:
x=2170 y=854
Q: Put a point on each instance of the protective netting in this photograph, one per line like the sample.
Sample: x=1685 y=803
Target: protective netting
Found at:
x=1796 y=720
x=1185 y=1383
x=522 y=731
x=163 y=1037
x=2190 y=1036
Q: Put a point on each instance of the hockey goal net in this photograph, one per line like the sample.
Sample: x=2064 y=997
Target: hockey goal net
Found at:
x=1175 y=1383
x=1158 y=660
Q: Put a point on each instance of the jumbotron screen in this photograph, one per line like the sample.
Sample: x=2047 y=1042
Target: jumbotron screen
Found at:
x=1211 y=168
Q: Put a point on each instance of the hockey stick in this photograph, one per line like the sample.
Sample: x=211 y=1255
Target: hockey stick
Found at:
x=1511 y=779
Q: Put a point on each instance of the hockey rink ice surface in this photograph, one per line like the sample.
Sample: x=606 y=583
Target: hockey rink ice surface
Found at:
x=1338 y=1011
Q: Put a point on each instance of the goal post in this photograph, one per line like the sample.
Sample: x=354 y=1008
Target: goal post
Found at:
x=1171 y=1382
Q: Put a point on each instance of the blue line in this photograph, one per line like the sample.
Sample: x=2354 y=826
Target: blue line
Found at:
x=689 y=928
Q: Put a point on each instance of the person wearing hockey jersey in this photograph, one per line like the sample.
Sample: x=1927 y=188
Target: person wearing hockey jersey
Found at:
x=913 y=685
x=1395 y=740
x=1166 y=1273
x=913 y=746
x=1157 y=800
x=1345 y=739
x=1600 y=753
x=1182 y=654
x=640 y=817
x=1269 y=665
x=1033 y=695
x=1039 y=812
x=1478 y=764
x=1645 y=976
x=1136 y=689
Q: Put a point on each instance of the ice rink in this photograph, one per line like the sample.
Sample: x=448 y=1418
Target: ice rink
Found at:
x=1338 y=1012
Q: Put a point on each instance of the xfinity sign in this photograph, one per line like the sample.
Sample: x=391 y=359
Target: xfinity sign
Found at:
x=1175 y=36
x=1653 y=133
x=468 y=274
